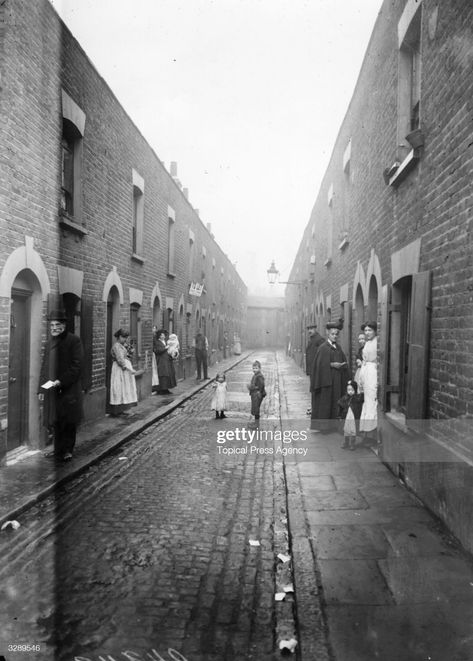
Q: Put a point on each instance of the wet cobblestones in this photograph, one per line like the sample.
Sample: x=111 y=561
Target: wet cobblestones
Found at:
x=152 y=551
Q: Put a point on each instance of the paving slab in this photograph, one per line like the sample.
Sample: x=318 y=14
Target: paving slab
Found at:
x=416 y=540
x=318 y=500
x=402 y=633
x=382 y=497
x=350 y=581
x=350 y=542
x=420 y=579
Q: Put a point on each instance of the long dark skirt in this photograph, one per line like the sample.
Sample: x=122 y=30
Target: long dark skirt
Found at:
x=324 y=410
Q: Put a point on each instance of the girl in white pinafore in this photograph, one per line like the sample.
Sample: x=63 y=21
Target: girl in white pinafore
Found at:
x=122 y=380
x=369 y=380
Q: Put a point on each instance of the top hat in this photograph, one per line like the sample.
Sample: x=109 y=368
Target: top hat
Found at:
x=57 y=315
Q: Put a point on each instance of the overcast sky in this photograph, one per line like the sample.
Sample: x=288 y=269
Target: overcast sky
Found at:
x=246 y=95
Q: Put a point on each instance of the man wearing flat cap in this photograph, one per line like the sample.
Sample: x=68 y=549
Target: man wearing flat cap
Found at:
x=61 y=386
x=328 y=381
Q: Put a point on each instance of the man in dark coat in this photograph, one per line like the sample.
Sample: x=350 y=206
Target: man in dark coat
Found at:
x=315 y=340
x=328 y=381
x=201 y=346
x=61 y=385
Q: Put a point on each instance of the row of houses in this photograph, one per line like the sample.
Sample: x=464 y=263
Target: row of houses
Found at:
x=91 y=220
x=390 y=239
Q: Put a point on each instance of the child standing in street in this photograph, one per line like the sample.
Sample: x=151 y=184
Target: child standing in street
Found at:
x=257 y=390
x=349 y=410
x=219 y=399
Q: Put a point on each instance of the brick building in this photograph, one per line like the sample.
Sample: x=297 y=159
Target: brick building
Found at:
x=90 y=219
x=390 y=239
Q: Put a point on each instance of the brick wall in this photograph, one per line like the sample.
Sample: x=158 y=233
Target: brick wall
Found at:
x=40 y=58
x=432 y=204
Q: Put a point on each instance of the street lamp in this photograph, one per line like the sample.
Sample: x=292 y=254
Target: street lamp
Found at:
x=273 y=277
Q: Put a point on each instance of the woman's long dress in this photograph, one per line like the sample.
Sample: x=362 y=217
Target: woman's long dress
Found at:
x=122 y=381
x=166 y=373
x=369 y=382
x=328 y=384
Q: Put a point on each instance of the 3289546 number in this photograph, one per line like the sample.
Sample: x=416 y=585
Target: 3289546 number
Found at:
x=26 y=647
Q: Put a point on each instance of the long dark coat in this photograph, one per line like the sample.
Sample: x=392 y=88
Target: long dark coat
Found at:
x=327 y=383
x=63 y=361
x=311 y=350
x=166 y=373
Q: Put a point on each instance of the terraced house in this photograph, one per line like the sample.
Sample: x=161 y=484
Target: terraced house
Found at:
x=91 y=219
x=390 y=239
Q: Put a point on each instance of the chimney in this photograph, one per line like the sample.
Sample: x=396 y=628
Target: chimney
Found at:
x=173 y=168
x=186 y=193
x=209 y=228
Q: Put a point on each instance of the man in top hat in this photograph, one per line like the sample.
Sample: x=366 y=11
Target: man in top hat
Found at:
x=315 y=340
x=328 y=381
x=60 y=385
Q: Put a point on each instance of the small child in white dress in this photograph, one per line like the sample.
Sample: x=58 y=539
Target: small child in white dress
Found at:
x=219 y=399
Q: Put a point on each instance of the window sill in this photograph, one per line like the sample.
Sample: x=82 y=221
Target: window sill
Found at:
x=327 y=262
x=137 y=258
x=407 y=165
x=170 y=275
x=344 y=243
x=66 y=222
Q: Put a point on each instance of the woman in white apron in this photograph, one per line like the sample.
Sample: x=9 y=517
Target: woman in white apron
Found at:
x=368 y=377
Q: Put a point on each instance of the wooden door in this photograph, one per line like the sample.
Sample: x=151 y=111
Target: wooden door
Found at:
x=108 y=347
x=18 y=381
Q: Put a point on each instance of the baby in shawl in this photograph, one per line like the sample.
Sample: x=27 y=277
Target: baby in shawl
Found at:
x=173 y=346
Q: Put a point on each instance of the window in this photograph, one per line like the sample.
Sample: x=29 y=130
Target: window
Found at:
x=70 y=170
x=330 y=195
x=138 y=213
x=405 y=328
x=191 y=258
x=135 y=334
x=171 y=240
x=67 y=183
x=137 y=198
x=409 y=92
x=73 y=126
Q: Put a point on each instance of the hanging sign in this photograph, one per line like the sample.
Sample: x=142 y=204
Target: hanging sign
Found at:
x=196 y=289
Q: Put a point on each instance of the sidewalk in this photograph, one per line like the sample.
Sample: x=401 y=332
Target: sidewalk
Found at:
x=33 y=477
x=376 y=575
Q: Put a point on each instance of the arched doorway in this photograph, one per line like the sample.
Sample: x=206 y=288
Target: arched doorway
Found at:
x=24 y=360
x=359 y=309
x=157 y=321
x=373 y=299
x=113 y=321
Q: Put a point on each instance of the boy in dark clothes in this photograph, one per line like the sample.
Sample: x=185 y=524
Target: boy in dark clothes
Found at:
x=257 y=390
x=349 y=410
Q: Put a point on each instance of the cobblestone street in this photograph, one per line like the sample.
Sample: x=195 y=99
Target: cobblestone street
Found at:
x=149 y=550
x=208 y=540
